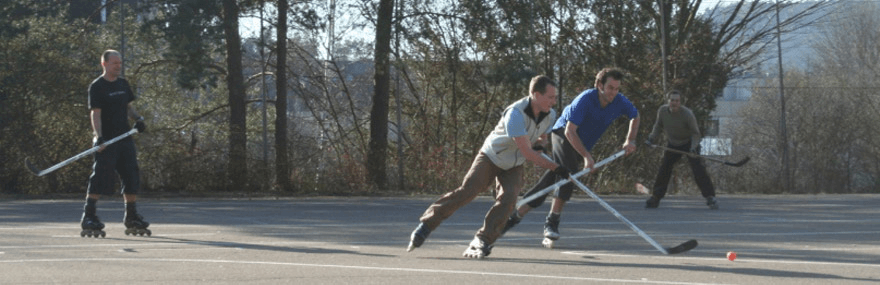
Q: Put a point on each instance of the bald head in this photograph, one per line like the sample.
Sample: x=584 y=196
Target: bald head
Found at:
x=111 y=61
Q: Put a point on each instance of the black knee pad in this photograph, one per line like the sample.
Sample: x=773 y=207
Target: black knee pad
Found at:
x=538 y=201
x=565 y=192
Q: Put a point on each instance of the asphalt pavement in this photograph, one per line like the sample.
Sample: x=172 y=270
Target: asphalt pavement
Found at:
x=802 y=239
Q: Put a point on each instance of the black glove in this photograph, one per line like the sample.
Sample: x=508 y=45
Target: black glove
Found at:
x=98 y=141
x=538 y=148
x=140 y=126
x=562 y=171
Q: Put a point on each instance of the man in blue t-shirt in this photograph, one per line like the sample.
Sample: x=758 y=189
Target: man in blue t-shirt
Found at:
x=579 y=127
x=110 y=109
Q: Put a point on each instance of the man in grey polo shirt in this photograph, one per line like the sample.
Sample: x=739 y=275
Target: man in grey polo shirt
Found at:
x=524 y=124
x=682 y=133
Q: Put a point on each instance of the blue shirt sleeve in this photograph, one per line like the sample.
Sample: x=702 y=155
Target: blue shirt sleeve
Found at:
x=629 y=109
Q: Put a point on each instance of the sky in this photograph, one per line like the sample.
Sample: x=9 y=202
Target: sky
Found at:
x=250 y=26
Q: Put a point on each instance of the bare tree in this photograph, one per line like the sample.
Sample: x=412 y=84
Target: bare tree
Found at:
x=235 y=83
x=833 y=130
x=378 y=147
x=850 y=68
x=282 y=167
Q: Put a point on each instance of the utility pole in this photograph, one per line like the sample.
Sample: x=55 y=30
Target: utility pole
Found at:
x=663 y=41
x=331 y=41
x=122 y=33
x=785 y=167
x=263 y=100
x=400 y=178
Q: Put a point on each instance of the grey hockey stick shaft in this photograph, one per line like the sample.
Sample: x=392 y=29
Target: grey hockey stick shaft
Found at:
x=688 y=245
x=94 y=149
x=564 y=181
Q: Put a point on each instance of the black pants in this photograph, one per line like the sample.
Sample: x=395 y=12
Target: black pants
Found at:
x=118 y=158
x=565 y=155
x=697 y=166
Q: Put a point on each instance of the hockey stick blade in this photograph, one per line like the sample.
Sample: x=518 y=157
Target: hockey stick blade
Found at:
x=673 y=250
x=31 y=167
x=688 y=245
x=738 y=163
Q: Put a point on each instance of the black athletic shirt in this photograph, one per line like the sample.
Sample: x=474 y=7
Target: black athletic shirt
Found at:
x=112 y=98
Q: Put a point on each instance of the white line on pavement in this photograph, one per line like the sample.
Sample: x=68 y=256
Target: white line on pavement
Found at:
x=720 y=259
x=550 y=277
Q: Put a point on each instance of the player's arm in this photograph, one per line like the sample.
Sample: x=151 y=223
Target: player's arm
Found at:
x=575 y=141
x=139 y=120
x=542 y=143
x=696 y=137
x=630 y=144
x=133 y=114
x=525 y=147
x=655 y=131
x=95 y=116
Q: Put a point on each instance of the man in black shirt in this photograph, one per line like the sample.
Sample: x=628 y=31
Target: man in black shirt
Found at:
x=110 y=98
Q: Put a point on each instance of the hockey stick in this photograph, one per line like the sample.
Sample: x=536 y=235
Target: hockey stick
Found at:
x=36 y=171
x=688 y=245
x=563 y=182
x=691 y=154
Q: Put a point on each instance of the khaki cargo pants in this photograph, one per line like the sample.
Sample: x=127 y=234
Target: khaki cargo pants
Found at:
x=481 y=175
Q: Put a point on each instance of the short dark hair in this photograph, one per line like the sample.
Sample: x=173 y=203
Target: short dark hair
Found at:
x=107 y=53
x=539 y=84
x=672 y=92
x=612 y=72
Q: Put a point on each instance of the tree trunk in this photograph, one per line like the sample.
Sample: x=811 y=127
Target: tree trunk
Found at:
x=377 y=152
x=282 y=168
x=237 y=114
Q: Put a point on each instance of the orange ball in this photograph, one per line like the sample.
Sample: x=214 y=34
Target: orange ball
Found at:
x=731 y=255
